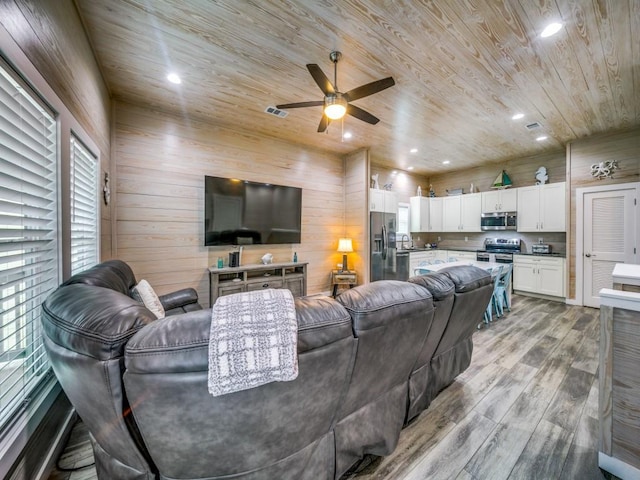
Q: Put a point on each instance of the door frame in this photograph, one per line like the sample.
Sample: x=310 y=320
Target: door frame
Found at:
x=579 y=254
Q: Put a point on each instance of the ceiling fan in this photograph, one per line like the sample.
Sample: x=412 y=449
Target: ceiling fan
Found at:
x=337 y=104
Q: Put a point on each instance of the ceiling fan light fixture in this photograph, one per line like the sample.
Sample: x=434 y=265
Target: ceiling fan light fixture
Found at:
x=335 y=106
x=551 y=29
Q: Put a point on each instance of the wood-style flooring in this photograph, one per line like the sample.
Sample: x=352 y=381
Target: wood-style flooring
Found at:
x=526 y=408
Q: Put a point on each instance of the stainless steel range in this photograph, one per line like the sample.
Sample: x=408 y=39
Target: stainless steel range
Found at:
x=499 y=250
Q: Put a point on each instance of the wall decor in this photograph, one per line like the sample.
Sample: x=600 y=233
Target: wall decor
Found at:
x=604 y=169
x=541 y=176
x=106 y=189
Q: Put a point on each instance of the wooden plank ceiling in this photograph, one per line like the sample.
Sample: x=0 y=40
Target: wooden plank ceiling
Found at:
x=462 y=69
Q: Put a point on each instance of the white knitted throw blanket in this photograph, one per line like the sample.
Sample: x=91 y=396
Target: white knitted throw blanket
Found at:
x=253 y=340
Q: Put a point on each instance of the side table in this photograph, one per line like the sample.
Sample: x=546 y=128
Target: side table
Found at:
x=343 y=278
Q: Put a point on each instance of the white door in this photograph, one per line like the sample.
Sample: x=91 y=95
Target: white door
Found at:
x=609 y=238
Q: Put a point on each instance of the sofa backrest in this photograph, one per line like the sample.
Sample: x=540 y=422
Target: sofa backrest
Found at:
x=113 y=274
x=86 y=328
x=277 y=430
x=390 y=320
x=473 y=290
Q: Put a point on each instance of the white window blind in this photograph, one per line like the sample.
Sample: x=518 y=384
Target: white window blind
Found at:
x=84 y=207
x=28 y=237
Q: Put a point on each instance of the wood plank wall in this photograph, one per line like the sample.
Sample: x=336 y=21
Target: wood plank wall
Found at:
x=161 y=161
x=52 y=36
x=520 y=170
x=405 y=184
x=581 y=154
x=356 y=211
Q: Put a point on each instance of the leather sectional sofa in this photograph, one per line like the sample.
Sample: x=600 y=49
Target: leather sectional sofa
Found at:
x=369 y=362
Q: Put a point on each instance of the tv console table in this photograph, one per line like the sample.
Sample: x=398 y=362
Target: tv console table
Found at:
x=228 y=280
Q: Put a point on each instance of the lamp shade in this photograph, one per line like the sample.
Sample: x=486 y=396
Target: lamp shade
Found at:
x=345 y=245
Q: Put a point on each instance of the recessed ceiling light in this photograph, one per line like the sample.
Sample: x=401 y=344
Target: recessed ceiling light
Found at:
x=551 y=29
x=517 y=116
x=409 y=168
x=414 y=150
x=394 y=173
x=174 y=78
x=446 y=162
x=347 y=135
x=541 y=138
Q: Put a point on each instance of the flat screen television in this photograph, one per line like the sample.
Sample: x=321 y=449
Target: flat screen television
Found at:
x=239 y=212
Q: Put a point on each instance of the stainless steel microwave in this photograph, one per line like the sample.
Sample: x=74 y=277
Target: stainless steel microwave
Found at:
x=498 y=221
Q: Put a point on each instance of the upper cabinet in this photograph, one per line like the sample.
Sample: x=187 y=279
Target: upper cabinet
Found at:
x=461 y=213
x=426 y=214
x=542 y=208
x=419 y=214
x=383 y=201
x=500 y=201
x=435 y=214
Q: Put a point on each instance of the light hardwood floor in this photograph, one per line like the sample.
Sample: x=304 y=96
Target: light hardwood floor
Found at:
x=526 y=408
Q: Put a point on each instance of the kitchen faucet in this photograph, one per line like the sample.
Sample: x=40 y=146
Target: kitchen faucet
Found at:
x=402 y=244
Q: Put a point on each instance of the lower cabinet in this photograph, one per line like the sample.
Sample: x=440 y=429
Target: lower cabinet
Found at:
x=539 y=275
x=460 y=255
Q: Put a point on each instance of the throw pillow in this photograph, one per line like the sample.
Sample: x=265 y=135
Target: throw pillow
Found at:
x=149 y=298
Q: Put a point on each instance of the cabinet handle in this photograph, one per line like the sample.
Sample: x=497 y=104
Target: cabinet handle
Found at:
x=496 y=206
x=541 y=225
x=265 y=285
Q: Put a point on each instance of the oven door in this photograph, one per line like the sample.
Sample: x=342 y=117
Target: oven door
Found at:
x=493 y=221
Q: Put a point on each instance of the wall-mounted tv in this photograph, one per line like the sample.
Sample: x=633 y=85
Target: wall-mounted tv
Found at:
x=239 y=212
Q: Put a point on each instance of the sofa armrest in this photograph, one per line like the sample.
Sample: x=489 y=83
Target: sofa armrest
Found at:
x=179 y=298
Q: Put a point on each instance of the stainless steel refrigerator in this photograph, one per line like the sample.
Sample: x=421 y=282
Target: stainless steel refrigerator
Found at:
x=382 y=240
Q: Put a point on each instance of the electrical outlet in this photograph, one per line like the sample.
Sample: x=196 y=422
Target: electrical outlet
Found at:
x=466 y=239
x=418 y=239
x=540 y=240
x=439 y=239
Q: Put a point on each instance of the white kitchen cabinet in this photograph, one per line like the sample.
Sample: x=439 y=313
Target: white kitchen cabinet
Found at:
x=500 y=201
x=426 y=214
x=461 y=213
x=541 y=208
x=419 y=214
x=428 y=256
x=435 y=214
x=383 y=201
x=539 y=274
x=460 y=255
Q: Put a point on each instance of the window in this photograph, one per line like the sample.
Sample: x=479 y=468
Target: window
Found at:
x=84 y=207
x=403 y=220
x=28 y=236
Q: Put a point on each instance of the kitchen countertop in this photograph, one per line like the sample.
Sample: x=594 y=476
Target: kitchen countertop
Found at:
x=557 y=255
x=425 y=249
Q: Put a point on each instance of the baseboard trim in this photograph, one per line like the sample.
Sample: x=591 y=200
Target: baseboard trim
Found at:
x=617 y=467
x=57 y=446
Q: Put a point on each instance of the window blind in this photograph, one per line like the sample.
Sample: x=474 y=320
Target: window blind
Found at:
x=84 y=207
x=28 y=237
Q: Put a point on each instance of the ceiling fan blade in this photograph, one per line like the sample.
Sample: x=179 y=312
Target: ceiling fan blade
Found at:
x=369 y=88
x=321 y=79
x=361 y=114
x=300 y=104
x=324 y=123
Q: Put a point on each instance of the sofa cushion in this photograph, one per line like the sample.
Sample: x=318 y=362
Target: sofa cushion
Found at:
x=440 y=286
x=145 y=293
x=467 y=277
x=91 y=321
